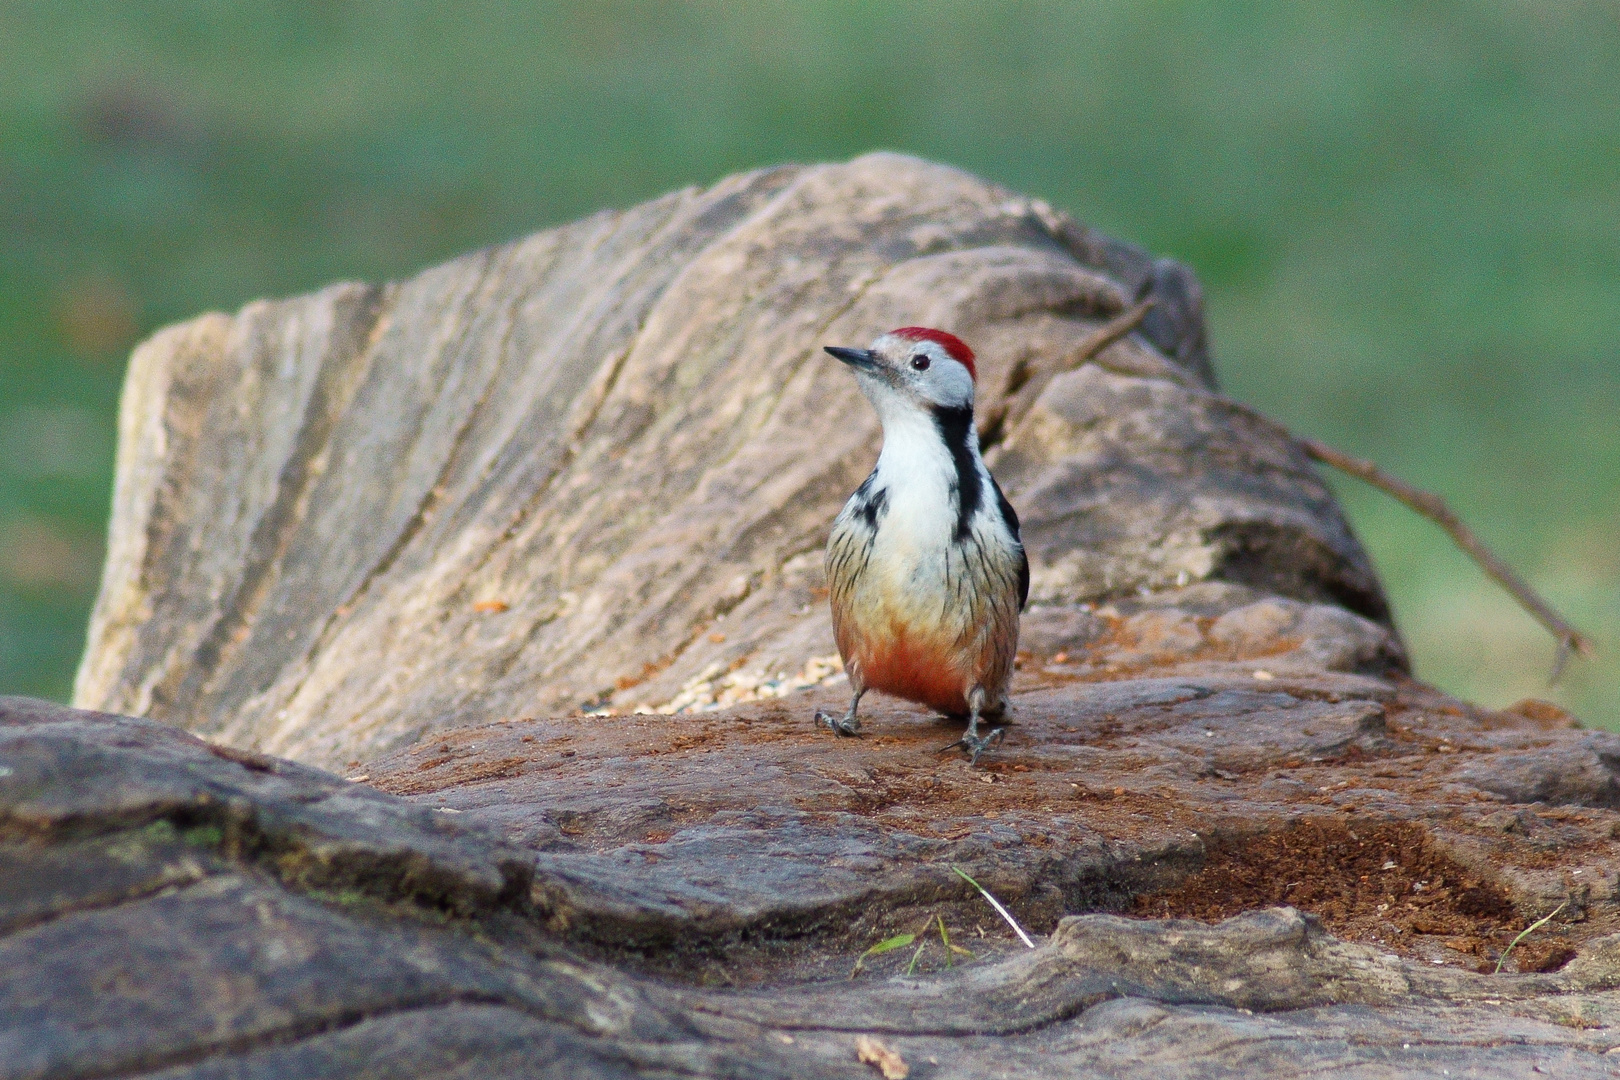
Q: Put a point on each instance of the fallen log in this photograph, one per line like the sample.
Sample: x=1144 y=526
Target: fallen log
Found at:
x=528 y=547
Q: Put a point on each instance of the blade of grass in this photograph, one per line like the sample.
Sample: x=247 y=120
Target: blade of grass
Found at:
x=1003 y=912
x=911 y=968
x=951 y=947
x=899 y=941
x=1526 y=932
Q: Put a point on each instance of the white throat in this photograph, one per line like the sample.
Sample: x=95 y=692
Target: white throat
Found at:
x=918 y=478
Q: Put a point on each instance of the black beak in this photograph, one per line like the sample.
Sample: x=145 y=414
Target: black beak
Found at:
x=859 y=359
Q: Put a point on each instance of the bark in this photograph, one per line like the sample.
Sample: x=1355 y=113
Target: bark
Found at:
x=417 y=531
x=538 y=478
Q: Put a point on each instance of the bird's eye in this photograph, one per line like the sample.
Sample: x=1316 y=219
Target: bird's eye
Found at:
x=919 y=362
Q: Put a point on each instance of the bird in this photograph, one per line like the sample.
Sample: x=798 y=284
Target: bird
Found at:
x=926 y=567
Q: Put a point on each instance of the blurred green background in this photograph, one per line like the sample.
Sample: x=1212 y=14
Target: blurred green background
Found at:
x=1407 y=218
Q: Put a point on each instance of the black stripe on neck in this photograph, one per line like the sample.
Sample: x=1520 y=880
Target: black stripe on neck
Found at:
x=956 y=429
x=871 y=501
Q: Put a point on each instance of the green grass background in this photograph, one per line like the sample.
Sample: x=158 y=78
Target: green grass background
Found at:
x=1407 y=217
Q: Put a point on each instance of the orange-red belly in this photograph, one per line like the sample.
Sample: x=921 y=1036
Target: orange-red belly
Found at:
x=915 y=669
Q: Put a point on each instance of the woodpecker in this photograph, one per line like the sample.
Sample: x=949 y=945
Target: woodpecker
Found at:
x=925 y=565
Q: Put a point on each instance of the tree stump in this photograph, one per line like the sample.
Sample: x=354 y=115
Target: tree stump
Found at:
x=529 y=550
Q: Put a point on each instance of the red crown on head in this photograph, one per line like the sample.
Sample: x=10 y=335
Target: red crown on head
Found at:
x=955 y=346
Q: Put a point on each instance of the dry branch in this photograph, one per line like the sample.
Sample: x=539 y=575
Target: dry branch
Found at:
x=1434 y=508
x=1425 y=503
x=1109 y=332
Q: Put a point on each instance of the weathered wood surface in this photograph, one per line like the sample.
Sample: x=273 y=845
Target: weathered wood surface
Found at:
x=609 y=903
x=538 y=477
x=411 y=530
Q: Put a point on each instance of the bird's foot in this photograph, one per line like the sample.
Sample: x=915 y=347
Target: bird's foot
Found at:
x=840 y=725
x=975 y=744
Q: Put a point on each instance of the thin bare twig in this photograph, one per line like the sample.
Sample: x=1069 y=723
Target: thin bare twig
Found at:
x=1570 y=640
x=1108 y=333
x=1434 y=508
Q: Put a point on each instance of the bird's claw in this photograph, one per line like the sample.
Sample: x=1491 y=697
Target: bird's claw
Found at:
x=840 y=725
x=976 y=744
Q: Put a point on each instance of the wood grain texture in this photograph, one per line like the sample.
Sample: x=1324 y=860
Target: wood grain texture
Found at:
x=601 y=898
x=591 y=466
x=419 y=526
